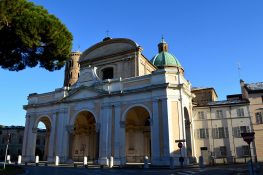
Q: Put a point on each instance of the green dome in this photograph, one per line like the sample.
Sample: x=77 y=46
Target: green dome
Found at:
x=165 y=59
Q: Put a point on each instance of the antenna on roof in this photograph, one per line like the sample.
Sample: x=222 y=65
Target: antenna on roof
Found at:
x=78 y=48
x=239 y=71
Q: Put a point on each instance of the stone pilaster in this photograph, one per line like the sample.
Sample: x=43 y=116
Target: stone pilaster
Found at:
x=52 y=139
x=155 y=134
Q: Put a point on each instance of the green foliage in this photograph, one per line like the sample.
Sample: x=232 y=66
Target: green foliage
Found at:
x=30 y=36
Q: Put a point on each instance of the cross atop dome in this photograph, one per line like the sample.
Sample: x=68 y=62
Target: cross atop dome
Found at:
x=162 y=46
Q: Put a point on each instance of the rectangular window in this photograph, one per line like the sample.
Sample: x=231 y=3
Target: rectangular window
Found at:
x=240 y=129
x=240 y=112
x=245 y=150
x=259 y=118
x=219 y=114
x=223 y=152
x=244 y=129
x=220 y=133
x=201 y=115
x=203 y=133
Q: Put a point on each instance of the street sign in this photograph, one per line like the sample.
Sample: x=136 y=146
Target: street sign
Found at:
x=248 y=137
x=180 y=145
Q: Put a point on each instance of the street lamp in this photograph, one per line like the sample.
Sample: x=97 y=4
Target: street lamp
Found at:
x=6 y=148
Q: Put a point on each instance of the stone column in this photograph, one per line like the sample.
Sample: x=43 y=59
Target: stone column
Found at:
x=122 y=149
x=155 y=134
x=65 y=138
x=31 y=140
x=70 y=129
x=32 y=144
x=165 y=118
x=26 y=139
x=105 y=146
x=117 y=130
x=52 y=139
x=62 y=135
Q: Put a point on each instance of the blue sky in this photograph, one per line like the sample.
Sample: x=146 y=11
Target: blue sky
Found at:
x=209 y=38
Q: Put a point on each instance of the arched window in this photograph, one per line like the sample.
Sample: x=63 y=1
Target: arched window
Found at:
x=107 y=73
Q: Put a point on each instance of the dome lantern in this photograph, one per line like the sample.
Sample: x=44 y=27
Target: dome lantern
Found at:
x=164 y=58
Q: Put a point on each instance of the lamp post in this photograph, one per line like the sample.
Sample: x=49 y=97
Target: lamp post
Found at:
x=8 y=137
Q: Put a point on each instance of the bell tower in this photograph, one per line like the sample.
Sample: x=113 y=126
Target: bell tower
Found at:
x=72 y=69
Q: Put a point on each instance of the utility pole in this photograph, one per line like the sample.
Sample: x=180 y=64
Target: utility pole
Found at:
x=6 y=148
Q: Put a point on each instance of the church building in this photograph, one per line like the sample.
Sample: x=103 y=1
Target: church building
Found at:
x=115 y=102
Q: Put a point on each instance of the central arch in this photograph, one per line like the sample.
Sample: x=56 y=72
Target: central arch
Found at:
x=42 y=131
x=138 y=134
x=85 y=137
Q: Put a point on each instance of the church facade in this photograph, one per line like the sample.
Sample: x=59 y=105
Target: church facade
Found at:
x=115 y=102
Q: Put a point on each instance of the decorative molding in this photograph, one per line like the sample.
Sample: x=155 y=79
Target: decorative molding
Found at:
x=88 y=106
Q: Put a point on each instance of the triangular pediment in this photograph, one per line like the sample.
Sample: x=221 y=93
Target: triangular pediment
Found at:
x=82 y=93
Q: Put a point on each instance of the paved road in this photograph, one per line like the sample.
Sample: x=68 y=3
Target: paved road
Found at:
x=41 y=170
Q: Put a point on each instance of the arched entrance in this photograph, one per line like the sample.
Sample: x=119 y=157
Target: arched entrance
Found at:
x=42 y=138
x=188 y=133
x=138 y=134
x=85 y=138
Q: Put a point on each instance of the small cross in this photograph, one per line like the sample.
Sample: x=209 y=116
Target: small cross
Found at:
x=107 y=33
x=162 y=39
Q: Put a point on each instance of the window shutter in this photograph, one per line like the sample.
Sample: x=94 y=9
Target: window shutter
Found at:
x=235 y=131
x=217 y=114
x=238 y=112
x=242 y=110
x=215 y=133
x=226 y=132
x=207 y=133
x=247 y=128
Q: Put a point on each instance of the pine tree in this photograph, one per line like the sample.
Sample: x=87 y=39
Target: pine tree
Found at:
x=30 y=36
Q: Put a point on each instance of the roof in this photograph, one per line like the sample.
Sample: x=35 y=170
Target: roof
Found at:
x=201 y=88
x=255 y=86
x=165 y=59
x=204 y=88
x=109 y=47
x=227 y=102
x=12 y=127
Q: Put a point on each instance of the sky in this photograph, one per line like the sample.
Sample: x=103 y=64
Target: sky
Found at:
x=210 y=38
